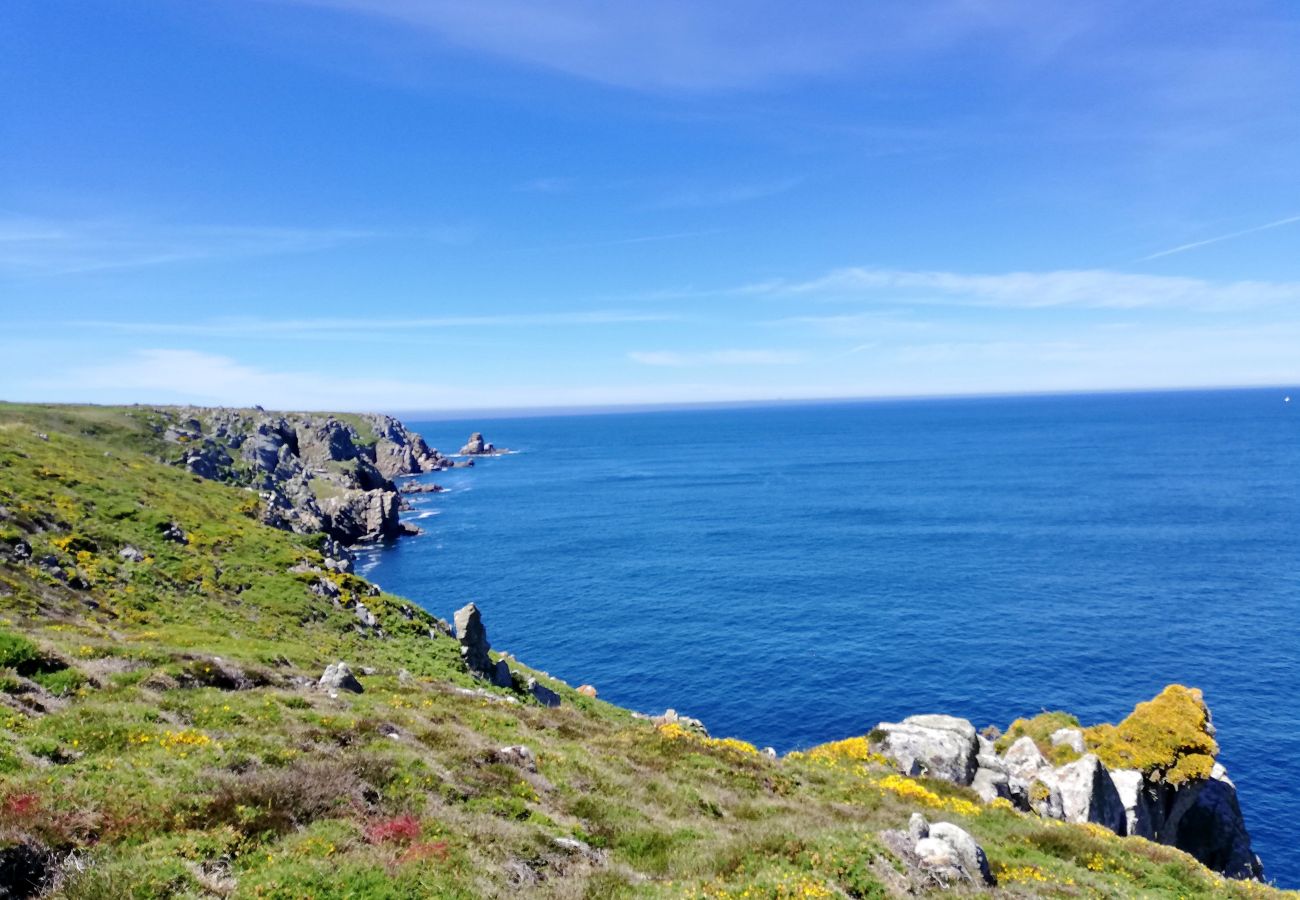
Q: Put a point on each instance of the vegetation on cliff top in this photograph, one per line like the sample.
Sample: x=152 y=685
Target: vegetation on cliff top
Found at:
x=1169 y=736
x=162 y=735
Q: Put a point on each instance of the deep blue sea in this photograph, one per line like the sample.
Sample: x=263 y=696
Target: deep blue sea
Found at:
x=796 y=574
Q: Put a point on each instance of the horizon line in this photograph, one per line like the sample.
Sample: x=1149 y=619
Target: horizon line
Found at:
x=594 y=409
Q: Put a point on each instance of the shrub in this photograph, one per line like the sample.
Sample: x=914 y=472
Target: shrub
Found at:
x=16 y=652
x=1168 y=737
x=1040 y=729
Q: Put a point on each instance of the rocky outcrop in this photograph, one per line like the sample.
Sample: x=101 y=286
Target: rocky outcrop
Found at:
x=474 y=645
x=1199 y=815
x=938 y=746
x=1086 y=794
x=313 y=473
x=474 y=651
x=357 y=516
x=942 y=854
x=477 y=446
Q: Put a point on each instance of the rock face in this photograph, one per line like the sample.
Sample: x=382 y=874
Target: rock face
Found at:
x=473 y=641
x=938 y=746
x=1087 y=794
x=1200 y=816
x=312 y=473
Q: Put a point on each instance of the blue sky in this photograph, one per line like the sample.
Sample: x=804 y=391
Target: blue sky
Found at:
x=420 y=204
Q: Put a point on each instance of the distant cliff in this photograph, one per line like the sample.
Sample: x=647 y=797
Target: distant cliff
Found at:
x=315 y=472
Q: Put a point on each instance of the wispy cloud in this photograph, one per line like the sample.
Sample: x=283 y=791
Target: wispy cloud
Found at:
x=1183 y=248
x=628 y=241
x=38 y=247
x=280 y=328
x=685 y=45
x=724 y=196
x=548 y=185
x=1093 y=288
x=673 y=359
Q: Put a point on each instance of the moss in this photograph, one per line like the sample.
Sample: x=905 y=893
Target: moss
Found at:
x=1040 y=728
x=1169 y=737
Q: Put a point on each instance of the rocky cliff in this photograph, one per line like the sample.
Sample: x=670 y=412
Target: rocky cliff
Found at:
x=1153 y=776
x=314 y=472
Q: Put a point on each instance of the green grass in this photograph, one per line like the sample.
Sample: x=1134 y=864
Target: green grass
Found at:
x=168 y=783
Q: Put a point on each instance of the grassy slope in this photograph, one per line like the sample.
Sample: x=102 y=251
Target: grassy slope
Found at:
x=166 y=784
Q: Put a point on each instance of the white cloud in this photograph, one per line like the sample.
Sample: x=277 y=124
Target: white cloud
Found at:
x=686 y=45
x=39 y=247
x=1093 y=288
x=347 y=327
x=673 y=359
x=703 y=198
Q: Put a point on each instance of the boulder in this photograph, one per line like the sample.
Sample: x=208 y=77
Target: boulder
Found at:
x=1087 y=794
x=517 y=755
x=367 y=618
x=587 y=690
x=970 y=854
x=938 y=746
x=501 y=675
x=473 y=639
x=1023 y=760
x=939 y=858
x=1070 y=737
x=131 y=554
x=542 y=694
x=338 y=677
x=917 y=827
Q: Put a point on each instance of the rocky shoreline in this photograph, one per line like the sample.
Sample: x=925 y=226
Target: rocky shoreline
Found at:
x=315 y=473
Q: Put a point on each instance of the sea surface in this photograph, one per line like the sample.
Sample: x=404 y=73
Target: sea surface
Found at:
x=796 y=574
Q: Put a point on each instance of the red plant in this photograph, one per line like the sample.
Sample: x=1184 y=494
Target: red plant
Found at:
x=417 y=852
x=19 y=806
x=401 y=829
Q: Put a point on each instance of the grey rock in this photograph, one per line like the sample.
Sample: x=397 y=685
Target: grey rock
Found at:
x=939 y=857
x=1070 y=737
x=174 y=533
x=917 y=827
x=542 y=694
x=938 y=746
x=367 y=618
x=338 y=677
x=501 y=675
x=476 y=446
x=1088 y=794
x=1023 y=760
x=131 y=554
x=672 y=717
x=1206 y=821
x=1141 y=814
x=969 y=853
x=517 y=755
x=473 y=639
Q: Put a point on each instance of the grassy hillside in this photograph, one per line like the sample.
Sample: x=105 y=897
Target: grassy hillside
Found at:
x=162 y=735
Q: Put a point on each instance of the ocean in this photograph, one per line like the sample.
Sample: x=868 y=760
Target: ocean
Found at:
x=796 y=574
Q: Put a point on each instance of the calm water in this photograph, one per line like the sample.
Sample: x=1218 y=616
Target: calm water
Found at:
x=792 y=575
